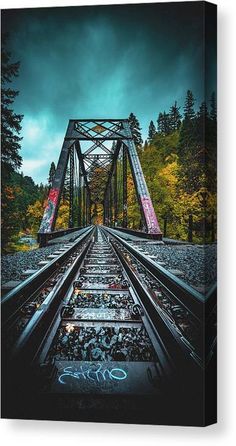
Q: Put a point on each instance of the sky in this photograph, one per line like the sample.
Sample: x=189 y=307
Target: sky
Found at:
x=103 y=62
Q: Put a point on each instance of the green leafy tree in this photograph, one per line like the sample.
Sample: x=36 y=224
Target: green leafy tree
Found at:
x=18 y=194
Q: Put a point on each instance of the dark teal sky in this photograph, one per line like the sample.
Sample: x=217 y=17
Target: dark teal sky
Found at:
x=102 y=61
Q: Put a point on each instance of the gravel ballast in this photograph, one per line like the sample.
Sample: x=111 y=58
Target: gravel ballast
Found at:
x=196 y=264
x=13 y=265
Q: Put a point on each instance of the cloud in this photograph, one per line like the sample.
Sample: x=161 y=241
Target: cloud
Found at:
x=40 y=146
x=31 y=167
x=101 y=62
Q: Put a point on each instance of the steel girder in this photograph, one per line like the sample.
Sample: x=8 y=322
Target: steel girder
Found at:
x=71 y=206
x=98 y=131
x=145 y=202
x=124 y=181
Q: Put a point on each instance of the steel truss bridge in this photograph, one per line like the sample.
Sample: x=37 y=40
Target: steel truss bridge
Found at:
x=108 y=145
x=100 y=331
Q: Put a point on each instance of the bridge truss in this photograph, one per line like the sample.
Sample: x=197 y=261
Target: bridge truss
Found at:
x=106 y=145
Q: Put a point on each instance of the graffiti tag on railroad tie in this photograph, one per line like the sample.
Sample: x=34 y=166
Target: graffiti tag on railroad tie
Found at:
x=98 y=375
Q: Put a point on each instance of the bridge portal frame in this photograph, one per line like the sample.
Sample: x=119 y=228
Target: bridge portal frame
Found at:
x=99 y=131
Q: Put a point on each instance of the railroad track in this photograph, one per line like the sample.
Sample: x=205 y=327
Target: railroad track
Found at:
x=183 y=310
x=101 y=336
x=110 y=326
x=30 y=300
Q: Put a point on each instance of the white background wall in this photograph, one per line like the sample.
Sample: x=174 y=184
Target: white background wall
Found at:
x=63 y=433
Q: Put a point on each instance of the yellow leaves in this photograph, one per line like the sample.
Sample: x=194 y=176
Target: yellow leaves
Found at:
x=35 y=213
x=63 y=216
x=35 y=210
x=171 y=158
x=169 y=174
x=212 y=203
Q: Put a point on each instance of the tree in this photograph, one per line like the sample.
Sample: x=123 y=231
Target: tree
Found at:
x=160 y=123
x=188 y=137
x=174 y=117
x=18 y=194
x=213 y=109
x=211 y=137
x=203 y=111
x=145 y=145
x=135 y=129
x=35 y=213
x=151 y=131
x=166 y=124
x=62 y=216
x=11 y=122
x=43 y=192
x=51 y=174
x=97 y=181
x=11 y=220
x=163 y=123
x=189 y=112
x=201 y=124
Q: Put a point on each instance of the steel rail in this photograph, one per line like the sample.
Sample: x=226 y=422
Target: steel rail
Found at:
x=191 y=299
x=179 y=349
x=157 y=342
x=31 y=337
x=13 y=301
x=186 y=295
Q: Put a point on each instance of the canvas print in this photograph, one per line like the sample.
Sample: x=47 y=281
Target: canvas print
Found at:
x=109 y=134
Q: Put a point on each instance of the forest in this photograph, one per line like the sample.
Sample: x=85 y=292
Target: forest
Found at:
x=178 y=160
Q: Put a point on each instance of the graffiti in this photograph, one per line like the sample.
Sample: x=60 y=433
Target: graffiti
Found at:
x=93 y=374
x=103 y=315
x=151 y=219
x=46 y=224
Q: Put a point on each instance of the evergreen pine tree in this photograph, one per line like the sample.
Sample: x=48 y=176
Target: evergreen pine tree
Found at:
x=211 y=134
x=51 y=174
x=212 y=122
x=213 y=110
x=203 y=112
x=175 y=117
x=43 y=192
x=11 y=122
x=145 y=145
x=135 y=129
x=163 y=123
x=166 y=123
x=189 y=112
x=151 y=131
x=160 y=123
x=201 y=125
